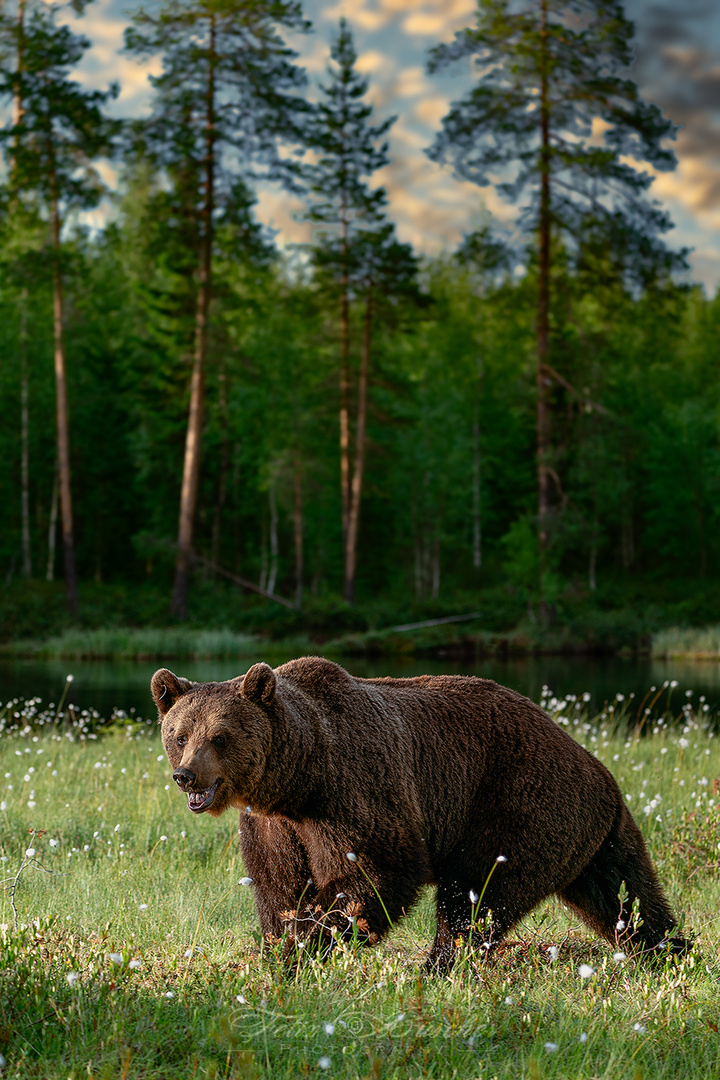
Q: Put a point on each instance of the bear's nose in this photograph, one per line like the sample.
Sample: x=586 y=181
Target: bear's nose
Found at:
x=184 y=777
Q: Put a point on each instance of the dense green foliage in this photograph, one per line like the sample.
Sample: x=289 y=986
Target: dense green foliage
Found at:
x=137 y=953
x=449 y=504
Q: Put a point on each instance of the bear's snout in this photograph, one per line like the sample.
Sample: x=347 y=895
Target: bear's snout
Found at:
x=184 y=778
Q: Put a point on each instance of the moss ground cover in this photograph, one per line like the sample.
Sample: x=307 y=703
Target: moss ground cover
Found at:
x=129 y=948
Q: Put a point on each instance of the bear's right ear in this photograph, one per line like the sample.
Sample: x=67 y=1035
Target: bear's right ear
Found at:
x=167 y=688
x=259 y=684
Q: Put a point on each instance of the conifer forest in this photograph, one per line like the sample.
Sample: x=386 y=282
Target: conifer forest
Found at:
x=201 y=423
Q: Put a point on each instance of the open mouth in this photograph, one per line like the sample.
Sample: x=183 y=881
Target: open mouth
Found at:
x=199 y=801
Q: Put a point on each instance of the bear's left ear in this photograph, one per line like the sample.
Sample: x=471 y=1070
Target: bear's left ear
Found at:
x=259 y=684
x=167 y=688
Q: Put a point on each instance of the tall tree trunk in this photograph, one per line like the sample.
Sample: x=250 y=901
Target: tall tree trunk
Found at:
x=224 y=466
x=52 y=527
x=63 y=424
x=359 y=464
x=298 y=521
x=344 y=382
x=274 y=548
x=476 y=474
x=24 y=440
x=543 y=324
x=193 y=438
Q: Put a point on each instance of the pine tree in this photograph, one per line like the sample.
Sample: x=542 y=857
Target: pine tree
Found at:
x=553 y=119
x=350 y=150
x=225 y=102
x=58 y=131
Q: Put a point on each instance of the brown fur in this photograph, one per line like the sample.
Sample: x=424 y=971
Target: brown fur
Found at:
x=425 y=781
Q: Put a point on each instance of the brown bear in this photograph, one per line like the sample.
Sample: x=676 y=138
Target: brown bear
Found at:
x=354 y=793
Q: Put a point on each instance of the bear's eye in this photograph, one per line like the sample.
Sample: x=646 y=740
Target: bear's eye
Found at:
x=219 y=740
x=181 y=740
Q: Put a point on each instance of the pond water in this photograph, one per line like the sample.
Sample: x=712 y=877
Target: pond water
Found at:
x=126 y=684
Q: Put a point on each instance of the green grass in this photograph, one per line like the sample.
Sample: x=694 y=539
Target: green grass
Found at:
x=137 y=954
x=687 y=643
x=148 y=643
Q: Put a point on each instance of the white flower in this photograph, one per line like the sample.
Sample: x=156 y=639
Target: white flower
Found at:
x=115 y=958
x=553 y=951
x=170 y=994
x=585 y=971
x=72 y=977
x=551 y=1047
x=69 y=678
x=54 y=843
x=508 y=1001
x=351 y=857
x=683 y=744
x=620 y=925
x=473 y=897
x=618 y=957
x=162 y=838
x=3 y=805
x=324 y=1062
x=501 y=858
x=188 y=953
x=161 y=757
x=583 y=1036
x=117 y=828
x=640 y=1028
x=2 y=1061
x=143 y=907
x=134 y=965
x=245 y=881
x=329 y=1029
x=240 y=999
x=30 y=853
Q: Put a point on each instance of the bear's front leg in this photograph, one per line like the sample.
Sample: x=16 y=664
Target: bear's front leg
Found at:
x=358 y=895
x=278 y=864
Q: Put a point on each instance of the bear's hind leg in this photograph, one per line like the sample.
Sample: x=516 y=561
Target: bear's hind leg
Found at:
x=595 y=893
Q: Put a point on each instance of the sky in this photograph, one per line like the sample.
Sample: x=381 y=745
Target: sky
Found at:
x=677 y=67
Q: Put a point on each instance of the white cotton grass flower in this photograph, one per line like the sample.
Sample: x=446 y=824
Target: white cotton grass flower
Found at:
x=351 y=857
x=54 y=843
x=640 y=1028
x=329 y=1029
x=117 y=828
x=170 y=994
x=324 y=1062
x=245 y=881
x=30 y=853
x=135 y=964
x=551 y=1047
x=618 y=957
x=188 y=953
x=3 y=806
x=473 y=897
x=553 y=952
x=620 y=924
x=69 y=678
x=241 y=999
x=163 y=839
x=143 y=907
x=115 y=958
x=501 y=858
x=583 y=1036
x=72 y=977
x=585 y=971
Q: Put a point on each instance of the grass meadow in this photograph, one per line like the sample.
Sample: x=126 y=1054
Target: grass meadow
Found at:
x=129 y=946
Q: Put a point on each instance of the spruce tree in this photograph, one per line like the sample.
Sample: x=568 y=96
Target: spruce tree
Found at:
x=350 y=149
x=225 y=104
x=555 y=122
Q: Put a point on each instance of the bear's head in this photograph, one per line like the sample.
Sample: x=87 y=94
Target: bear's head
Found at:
x=216 y=736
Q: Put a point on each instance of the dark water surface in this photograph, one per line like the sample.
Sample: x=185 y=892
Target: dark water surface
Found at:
x=105 y=685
